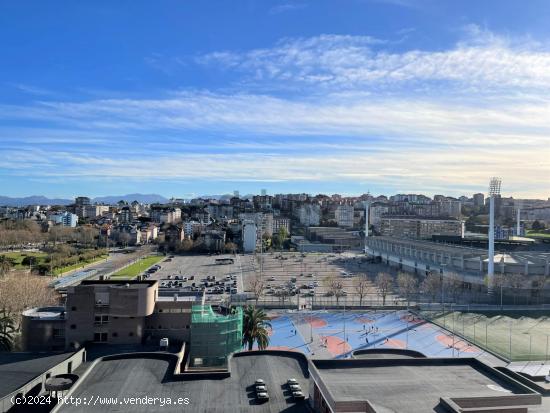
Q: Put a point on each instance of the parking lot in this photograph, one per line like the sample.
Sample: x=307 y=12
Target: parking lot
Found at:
x=193 y=273
x=290 y=278
x=307 y=275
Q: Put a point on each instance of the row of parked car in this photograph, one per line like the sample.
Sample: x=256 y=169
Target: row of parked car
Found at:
x=262 y=395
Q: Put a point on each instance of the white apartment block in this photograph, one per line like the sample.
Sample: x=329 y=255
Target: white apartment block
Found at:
x=375 y=214
x=344 y=216
x=309 y=215
x=249 y=236
x=264 y=221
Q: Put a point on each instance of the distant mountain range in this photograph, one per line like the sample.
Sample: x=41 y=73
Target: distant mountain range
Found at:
x=42 y=200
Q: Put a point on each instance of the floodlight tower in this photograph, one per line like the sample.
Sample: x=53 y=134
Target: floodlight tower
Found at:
x=494 y=191
x=518 y=223
x=367 y=204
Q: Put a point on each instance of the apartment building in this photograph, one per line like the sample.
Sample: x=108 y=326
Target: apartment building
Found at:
x=124 y=312
x=281 y=222
x=65 y=219
x=309 y=215
x=249 y=236
x=420 y=228
x=344 y=216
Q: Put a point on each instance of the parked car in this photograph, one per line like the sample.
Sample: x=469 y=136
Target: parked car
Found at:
x=294 y=387
x=262 y=396
x=298 y=395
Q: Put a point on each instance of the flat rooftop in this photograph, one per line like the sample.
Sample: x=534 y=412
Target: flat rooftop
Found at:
x=138 y=377
x=17 y=369
x=411 y=385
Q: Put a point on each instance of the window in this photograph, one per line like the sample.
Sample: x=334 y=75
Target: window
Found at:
x=115 y=334
x=73 y=326
x=131 y=334
x=100 y=337
x=187 y=326
x=73 y=308
x=101 y=319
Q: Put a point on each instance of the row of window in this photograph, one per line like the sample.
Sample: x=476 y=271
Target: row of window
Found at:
x=102 y=337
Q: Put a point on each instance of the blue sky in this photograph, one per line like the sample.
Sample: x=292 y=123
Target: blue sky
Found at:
x=185 y=98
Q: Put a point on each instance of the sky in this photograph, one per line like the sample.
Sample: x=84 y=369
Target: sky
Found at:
x=187 y=98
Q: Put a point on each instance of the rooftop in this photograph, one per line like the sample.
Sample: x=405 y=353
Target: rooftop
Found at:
x=17 y=369
x=50 y=313
x=412 y=385
x=151 y=376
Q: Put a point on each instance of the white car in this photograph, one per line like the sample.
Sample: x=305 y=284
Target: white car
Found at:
x=262 y=396
x=298 y=395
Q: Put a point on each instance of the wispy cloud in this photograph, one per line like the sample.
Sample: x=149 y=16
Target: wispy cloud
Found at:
x=422 y=121
x=482 y=60
x=287 y=6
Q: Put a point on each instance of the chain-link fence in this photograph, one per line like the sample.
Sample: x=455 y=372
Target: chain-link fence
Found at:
x=512 y=338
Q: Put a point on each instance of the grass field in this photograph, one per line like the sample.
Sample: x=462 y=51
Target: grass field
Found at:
x=538 y=234
x=61 y=270
x=137 y=268
x=515 y=339
x=17 y=257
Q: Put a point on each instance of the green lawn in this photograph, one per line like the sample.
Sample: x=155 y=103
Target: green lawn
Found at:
x=61 y=270
x=538 y=234
x=137 y=268
x=17 y=257
x=41 y=257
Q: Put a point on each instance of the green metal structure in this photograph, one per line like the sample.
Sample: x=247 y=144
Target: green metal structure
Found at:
x=214 y=336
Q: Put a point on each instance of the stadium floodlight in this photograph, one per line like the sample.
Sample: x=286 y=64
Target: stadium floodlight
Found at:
x=494 y=191
x=367 y=205
x=494 y=186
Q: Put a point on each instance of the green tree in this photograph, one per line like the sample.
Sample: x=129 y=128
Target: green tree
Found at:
x=7 y=331
x=255 y=325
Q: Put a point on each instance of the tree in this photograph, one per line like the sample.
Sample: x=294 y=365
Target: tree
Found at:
x=29 y=261
x=6 y=265
x=431 y=285
x=279 y=238
x=7 y=331
x=407 y=285
x=257 y=286
x=361 y=286
x=537 y=226
x=231 y=247
x=453 y=284
x=516 y=282
x=384 y=282
x=255 y=325
x=20 y=291
x=335 y=287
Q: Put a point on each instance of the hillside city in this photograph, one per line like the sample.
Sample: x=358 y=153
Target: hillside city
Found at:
x=275 y=206
x=88 y=280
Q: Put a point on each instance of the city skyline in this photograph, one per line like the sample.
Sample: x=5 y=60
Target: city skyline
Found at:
x=380 y=96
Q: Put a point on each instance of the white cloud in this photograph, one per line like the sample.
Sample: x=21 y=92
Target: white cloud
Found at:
x=482 y=60
x=409 y=138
